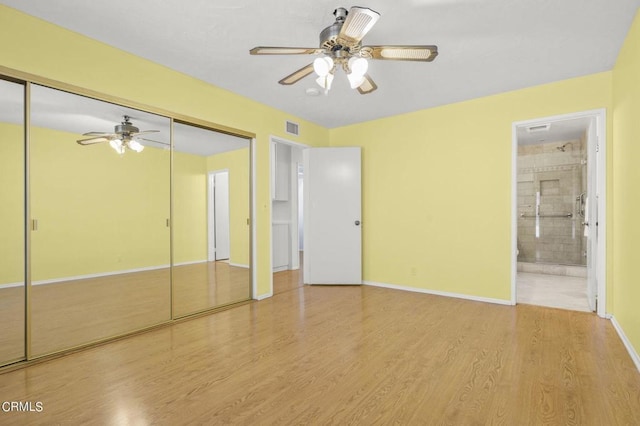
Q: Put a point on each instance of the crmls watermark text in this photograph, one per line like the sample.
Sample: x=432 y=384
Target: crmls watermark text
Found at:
x=22 y=406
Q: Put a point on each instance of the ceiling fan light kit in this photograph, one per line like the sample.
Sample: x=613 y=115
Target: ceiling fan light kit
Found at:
x=125 y=136
x=341 y=47
x=116 y=144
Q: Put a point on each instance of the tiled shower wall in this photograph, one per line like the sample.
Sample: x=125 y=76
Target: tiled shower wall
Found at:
x=550 y=182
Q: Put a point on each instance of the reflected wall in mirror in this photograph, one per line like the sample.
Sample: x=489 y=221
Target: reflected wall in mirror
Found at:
x=100 y=241
x=12 y=195
x=211 y=211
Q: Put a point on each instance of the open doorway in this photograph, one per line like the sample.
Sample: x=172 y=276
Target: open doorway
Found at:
x=558 y=212
x=286 y=214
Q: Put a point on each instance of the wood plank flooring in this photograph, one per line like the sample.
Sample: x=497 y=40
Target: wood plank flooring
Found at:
x=345 y=355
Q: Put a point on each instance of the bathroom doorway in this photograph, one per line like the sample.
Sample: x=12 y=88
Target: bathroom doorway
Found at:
x=558 y=187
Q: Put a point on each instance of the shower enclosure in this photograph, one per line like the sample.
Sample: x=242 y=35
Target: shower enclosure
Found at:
x=552 y=185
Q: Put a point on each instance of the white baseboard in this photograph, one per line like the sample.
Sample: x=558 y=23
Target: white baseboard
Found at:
x=439 y=293
x=12 y=285
x=86 y=276
x=239 y=265
x=191 y=262
x=99 y=275
x=107 y=274
x=627 y=343
x=263 y=296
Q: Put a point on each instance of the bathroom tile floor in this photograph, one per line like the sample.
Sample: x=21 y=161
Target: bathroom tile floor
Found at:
x=556 y=291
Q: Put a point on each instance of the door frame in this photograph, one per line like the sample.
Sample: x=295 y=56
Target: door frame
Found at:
x=595 y=148
x=211 y=215
x=272 y=141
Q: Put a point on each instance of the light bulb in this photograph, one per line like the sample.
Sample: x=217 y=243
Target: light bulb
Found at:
x=135 y=145
x=325 y=82
x=355 y=80
x=323 y=66
x=116 y=144
x=358 y=66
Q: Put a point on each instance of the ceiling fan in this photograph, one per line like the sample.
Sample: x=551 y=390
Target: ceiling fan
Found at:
x=125 y=135
x=341 y=46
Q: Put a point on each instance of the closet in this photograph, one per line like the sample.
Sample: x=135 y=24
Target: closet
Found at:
x=102 y=237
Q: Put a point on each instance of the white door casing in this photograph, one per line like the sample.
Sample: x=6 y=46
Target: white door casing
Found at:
x=218 y=216
x=211 y=217
x=590 y=219
x=332 y=216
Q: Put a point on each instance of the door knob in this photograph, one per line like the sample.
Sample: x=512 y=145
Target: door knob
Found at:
x=357 y=222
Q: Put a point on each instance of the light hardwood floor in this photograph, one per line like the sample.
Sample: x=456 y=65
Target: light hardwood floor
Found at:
x=345 y=355
x=287 y=281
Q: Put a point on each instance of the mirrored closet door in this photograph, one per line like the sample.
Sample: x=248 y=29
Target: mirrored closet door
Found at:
x=211 y=238
x=99 y=225
x=113 y=220
x=12 y=205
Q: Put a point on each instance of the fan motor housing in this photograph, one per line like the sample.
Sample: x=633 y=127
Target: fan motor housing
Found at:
x=126 y=128
x=329 y=36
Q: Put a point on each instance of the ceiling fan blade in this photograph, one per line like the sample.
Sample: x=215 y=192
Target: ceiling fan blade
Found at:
x=297 y=75
x=400 y=53
x=104 y=134
x=92 y=141
x=359 y=22
x=143 y=132
x=367 y=86
x=266 y=50
x=152 y=141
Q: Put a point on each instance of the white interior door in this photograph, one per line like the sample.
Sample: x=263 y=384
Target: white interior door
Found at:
x=332 y=215
x=220 y=215
x=591 y=215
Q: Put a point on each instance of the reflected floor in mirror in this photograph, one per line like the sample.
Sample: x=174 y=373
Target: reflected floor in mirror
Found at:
x=205 y=285
x=12 y=320
x=71 y=313
x=345 y=355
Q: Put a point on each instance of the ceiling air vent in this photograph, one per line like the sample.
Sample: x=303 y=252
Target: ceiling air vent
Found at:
x=292 y=128
x=539 y=128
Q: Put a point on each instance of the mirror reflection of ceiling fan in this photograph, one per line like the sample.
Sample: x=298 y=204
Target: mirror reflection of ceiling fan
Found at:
x=341 y=47
x=124 y=136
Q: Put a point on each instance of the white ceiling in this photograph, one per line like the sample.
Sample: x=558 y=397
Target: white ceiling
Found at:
x=485 y=46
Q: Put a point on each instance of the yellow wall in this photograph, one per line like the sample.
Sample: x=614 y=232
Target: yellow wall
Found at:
x=626 y=178
x=189 y=208
x=97 y=211
x=11 y=203
x=237 y=163
x=437 y=186
x=34 y=46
